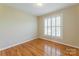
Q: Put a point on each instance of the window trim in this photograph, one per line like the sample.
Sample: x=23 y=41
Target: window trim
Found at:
x=62 y=26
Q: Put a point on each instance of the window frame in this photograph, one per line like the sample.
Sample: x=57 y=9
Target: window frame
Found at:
x=61 y=27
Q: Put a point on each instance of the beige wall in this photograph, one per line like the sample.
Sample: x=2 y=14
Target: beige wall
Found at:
x=77 y=24
x=71 y=28
x=16 y=26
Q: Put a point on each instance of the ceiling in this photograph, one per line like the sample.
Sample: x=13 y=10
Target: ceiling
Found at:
x=33 y=9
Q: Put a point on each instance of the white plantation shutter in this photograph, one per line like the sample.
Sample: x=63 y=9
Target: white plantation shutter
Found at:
x=53 y=26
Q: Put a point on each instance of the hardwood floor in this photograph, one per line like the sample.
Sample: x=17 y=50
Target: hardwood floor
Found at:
x=40 y=47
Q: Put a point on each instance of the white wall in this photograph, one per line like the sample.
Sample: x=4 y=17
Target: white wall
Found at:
x=71 y=28
x=16 y=26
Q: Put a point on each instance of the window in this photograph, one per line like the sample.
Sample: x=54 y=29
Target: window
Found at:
x=53 y=26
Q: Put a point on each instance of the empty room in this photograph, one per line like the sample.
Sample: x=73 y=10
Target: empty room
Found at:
x=39 y=29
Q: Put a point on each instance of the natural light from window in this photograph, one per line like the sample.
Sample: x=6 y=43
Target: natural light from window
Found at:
x=53 y=26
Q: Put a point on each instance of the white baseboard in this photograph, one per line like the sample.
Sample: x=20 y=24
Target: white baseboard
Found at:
x=61 y=43
x=36 y=38
x=16 y=44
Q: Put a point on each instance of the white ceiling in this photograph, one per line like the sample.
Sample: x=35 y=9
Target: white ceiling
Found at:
x=37 y=11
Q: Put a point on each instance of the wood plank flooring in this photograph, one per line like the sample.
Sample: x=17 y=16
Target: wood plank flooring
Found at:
x=40 y=47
